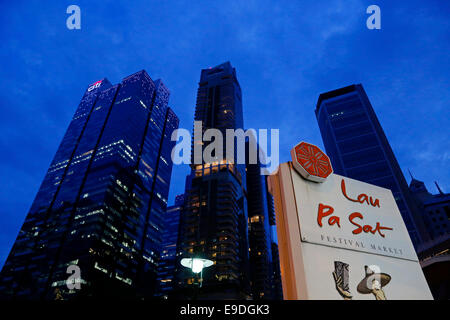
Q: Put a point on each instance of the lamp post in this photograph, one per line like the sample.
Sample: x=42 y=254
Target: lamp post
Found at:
x=197 y=265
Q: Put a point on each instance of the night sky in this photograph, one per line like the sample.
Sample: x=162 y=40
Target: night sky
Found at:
x=286 y=53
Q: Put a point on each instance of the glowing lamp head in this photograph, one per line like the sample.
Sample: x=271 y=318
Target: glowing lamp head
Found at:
x=196 y=264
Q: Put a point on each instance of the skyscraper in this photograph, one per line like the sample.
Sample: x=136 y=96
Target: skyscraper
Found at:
x=277 y=287
x=167 y=263
x=214 y=222
x=264 y=271
x=358 y=148
x=100 y=204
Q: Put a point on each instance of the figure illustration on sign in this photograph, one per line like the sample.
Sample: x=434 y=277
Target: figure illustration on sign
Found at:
x=340 y=275
x=373 y=282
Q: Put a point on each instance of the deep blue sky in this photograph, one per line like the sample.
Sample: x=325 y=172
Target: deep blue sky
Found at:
x=286 y=53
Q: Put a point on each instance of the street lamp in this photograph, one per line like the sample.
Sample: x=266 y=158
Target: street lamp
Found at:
x=197 y=264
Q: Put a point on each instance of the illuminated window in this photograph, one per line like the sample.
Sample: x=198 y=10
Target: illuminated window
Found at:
x=256 y=219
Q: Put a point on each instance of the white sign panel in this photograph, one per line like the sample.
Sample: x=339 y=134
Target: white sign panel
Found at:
x=341 y=238
x=334 y=273
x=350 y=214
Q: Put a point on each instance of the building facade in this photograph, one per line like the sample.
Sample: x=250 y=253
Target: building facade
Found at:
x=167 y=263
x=99 y=208
x=434 y=207
x=358 y=148
x=264 y=265
x=214 y=222
x=434 y=254
x=277 y=286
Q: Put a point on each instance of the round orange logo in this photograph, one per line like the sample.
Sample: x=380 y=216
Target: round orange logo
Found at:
x=311 y=162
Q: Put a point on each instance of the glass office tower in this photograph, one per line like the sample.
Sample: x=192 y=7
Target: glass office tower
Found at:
x=264 y=270
x=166 y=266
x=358 y=148
x=101 y=202
x=214 y=222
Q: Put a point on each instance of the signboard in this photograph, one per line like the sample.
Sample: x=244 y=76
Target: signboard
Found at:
x=350 y=214
x=311 y=162
x=341 y=238
x=95 y=85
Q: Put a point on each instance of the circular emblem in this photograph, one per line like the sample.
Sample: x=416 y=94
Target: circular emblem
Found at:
x=311 y=162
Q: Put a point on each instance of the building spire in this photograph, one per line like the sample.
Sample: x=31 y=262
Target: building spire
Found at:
x=412 y=178
x=439 y=188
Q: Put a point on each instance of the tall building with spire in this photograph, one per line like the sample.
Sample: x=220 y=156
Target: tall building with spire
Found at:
x=435 y=253
x=435 y=208
x=99 y=208
x=213 y=224
x=359 y=149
